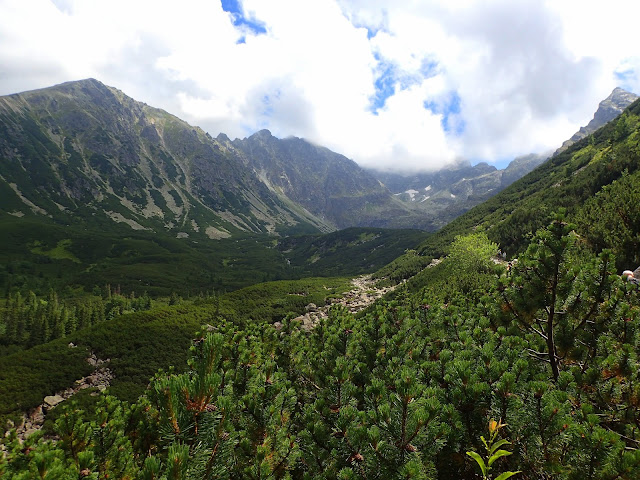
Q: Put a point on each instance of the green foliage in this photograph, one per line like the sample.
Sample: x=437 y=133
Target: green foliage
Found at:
x=611 y=220
x=34 y=321
x=473 y=252
x=401 y=391
x=270 y=302
x=402 y=268
x=27 y=377
x=494 y=452
x=39 y=255
x=351 y=251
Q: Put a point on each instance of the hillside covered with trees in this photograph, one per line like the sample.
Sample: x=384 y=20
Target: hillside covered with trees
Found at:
x=547 y=348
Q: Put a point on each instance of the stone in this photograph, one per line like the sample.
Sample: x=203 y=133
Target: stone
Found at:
x=37 y=415
x=52 y=400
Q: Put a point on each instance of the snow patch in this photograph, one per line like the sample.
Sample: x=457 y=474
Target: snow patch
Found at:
x=411 y=193
x=427 y=188
x=453 y=196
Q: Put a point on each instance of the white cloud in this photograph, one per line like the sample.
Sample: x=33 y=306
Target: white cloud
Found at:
x=524 y=75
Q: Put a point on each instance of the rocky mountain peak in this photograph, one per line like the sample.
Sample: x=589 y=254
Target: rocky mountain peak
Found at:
x=262 y=134
x=611 y=107
x=608 y=109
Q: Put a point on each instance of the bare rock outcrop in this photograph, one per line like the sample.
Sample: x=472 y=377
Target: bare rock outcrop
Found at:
x=363 y=294
x=100 y=379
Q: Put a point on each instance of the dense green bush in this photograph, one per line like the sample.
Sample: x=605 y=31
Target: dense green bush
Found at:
x=402 y=391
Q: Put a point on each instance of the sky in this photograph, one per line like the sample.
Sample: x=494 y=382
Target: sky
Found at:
x=405 y=86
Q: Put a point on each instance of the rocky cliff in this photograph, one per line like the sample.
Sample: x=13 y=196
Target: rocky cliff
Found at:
x=608 y=109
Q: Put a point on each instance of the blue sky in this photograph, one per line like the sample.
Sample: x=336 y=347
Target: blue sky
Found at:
x=240 y=20
x=393 y=85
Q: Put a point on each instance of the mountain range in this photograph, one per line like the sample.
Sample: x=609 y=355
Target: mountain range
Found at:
x=443 y=195
x=394 y=374
x=85 y=153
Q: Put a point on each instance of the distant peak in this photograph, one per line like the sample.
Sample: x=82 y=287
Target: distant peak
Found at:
x=620 y=95
x=620 y=90
x=85 y=82
x=264 y=133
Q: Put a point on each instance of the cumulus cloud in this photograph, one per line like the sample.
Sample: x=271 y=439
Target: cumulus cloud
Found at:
x=401 y=85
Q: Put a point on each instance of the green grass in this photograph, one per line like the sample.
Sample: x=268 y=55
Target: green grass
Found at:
x=352 y=251
x=38 y=254
x=59 y=252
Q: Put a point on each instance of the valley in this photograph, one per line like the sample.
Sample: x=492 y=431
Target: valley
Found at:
x=266 y=308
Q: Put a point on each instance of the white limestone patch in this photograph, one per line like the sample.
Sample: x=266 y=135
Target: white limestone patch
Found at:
x=171 y=203
x=119 y=218
x=35 y=208
x=234 y=220
x=216 y=233
x=151 y=209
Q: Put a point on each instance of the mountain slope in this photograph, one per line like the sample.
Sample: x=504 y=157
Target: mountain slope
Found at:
x=85 y=152
x=82 y=151
x=570 y=181
x=446 y=194
x=608 y=109
x=325 y=183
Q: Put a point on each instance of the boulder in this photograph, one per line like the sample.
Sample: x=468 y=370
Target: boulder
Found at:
x=52 y=400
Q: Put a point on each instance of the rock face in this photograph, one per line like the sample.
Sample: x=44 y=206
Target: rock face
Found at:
x=52 y=400
x=326 y=184
x=609 y=108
